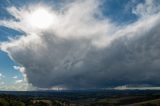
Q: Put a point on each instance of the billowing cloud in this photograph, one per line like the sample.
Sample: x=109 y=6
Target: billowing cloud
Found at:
x=84 y=49
x=148 y=8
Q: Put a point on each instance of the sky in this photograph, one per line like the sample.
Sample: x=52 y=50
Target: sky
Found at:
x=79 y=44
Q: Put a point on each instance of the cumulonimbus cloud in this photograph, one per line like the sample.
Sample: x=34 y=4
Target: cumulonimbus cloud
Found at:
x=84 y=49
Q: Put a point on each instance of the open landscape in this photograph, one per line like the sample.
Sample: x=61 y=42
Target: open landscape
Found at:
x=79 y=52
x=81 y=98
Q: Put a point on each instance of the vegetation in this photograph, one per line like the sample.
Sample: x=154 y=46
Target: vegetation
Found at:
x=81 y=100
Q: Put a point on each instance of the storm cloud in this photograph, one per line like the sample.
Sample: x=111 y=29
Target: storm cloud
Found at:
x=84 y=49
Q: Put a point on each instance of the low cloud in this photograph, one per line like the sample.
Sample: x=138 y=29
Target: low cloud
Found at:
x=2 y=76
x=85 y=49
x=19 y=86
x=2 y=83
x=14 y=77
x=18 y=81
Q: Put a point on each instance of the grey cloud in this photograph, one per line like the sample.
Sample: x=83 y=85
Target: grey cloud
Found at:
x=129 y=56
x=77 y=64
